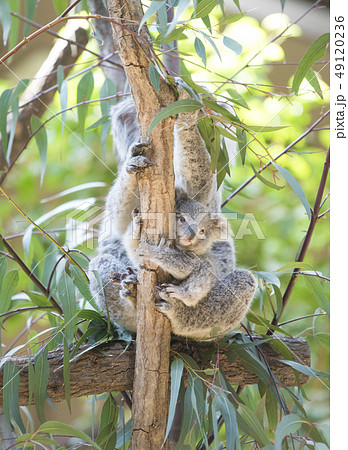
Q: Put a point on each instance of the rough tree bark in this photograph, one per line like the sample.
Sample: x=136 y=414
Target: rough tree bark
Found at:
x=115 y=372
x=63 y=53
x=156 y=186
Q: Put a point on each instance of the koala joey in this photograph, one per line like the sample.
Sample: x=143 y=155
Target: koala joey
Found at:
x=206 y=291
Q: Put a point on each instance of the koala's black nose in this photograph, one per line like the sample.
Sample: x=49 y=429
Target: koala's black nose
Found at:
x=190 y=233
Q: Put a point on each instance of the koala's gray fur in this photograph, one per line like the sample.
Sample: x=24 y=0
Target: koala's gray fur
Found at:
x=207 y=292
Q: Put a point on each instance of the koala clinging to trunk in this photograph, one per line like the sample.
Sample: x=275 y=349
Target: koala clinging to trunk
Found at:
x=206 y=291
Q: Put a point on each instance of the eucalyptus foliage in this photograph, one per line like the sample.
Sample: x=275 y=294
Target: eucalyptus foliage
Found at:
x=51 y=205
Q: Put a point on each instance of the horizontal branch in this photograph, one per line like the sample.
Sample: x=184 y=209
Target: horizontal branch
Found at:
x=95 y=373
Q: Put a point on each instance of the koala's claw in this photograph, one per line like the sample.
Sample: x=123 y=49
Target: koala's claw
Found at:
x=138 y=164
x=140 y=148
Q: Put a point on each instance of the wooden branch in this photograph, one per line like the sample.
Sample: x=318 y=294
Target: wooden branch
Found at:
x=63 y=53
x=156 y=188
x=95 y=373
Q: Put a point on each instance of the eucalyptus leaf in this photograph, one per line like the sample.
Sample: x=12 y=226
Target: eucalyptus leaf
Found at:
x=11 y=383
x=180 y=106
x=295 y=186
x=41 y=375
x=289 y=424
x=41 y=141
x=176 y=370
x=315 y=52
x=232 y=45
x=204 y=7
x=8 y=287
x=200 y=50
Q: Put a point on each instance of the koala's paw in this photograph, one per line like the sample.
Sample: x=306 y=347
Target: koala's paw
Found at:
x=164 y=242
x=146 y=250
x=129 y=285
x=172 y=291
x=138 y=164
x=139 y=149
x=163 y=304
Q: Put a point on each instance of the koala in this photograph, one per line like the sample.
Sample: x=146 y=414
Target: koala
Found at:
x=206 y=292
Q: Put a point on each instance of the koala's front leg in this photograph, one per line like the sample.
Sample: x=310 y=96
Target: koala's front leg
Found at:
x=179 y=264
x=138 y=162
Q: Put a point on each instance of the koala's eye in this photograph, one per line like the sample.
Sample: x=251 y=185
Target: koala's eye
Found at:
x=202 y=231
x=182 y=219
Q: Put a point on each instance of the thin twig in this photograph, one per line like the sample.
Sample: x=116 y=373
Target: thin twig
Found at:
x=30 y=274
x=307 y=240
x=303 y=317
x=70 y=41
x=286 y=150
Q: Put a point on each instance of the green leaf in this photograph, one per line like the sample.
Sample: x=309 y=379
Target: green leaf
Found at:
x=222 y=404
x=242 y=144
x=294 y=265
x=269 y=277
x=233 y=45
x=314 y=53
x=306 y=370
x=41 y=375
x=319 y=293
x=41 y=141
x=107 y=90
x=66 y=372
x=204 y=7
x=7 y=289
x=4 y=106
x=188 y=433
x=221 y=110
x=180 y=106
x=154 y=77
x=3 y=268
x=237 y=98
x=314 y=82
x=263 y=128
x=264 y=181
x=271 y=410
x=11 y=383
x=177 y=34
x=63 y=93
x=107 y=435
x=231 y=18
x=66 y=295
x=182 y=6
x=295 y=186
x=154 y=6
x=254 y=426
x=59 y=428
x=82 y=285
x=176 y=370
x=289 y=424
x=84 y=92
x=5 y=20
x=279 y=298
x=200 y=50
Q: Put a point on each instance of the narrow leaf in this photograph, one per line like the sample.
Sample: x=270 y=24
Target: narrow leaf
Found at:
x=11 y=383
x=200 y=50
x=5 y=19
x=8 y=287
x=315 y=52
x=306 y=370
x=66 y=295
x=289 y=424
x=319 y=293
x=264 y=181
x=41 y=141
x=41 y=375
x=176 y=370
x=295 y=186
x=314 y=82
x=59 y=428
x=154 y=77
x=66 y=373
x=82 y=285
x=180 y=106
x=233 y=45
x=4 y=105
x=182 y=6
x=204 y=8
x=84 y=92
x=255 y=428
x=154 y=6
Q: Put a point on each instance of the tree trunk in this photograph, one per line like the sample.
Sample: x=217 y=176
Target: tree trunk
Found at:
x=156 y=187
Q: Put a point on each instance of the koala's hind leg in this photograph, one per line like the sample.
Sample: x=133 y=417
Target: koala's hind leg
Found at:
x=118 y=298
x=219 y=312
